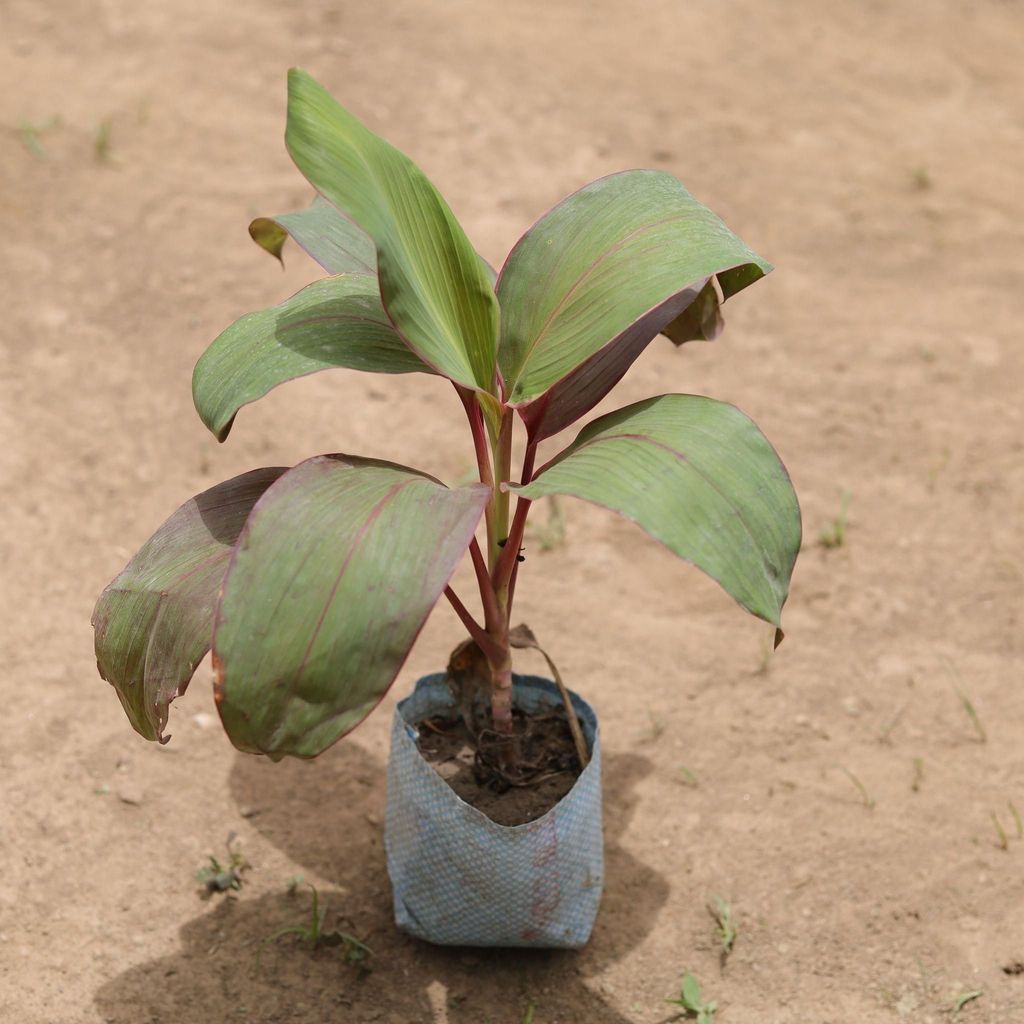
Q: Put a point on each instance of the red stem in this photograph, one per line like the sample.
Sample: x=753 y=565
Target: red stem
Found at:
x=476 y=631
x=488 y=598
x=483 y=460
x=507 y=562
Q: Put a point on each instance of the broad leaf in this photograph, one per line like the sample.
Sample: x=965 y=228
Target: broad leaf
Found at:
x=154 y=623
x=333 y=577
x=432 y=283
x=338 y=245
x=326 y=234
x=595 y=280
x=337 y=322
x=701 y=478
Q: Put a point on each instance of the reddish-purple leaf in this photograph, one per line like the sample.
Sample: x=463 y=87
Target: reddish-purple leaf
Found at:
x=333 y=577
x=154 y=623
x=594 y=281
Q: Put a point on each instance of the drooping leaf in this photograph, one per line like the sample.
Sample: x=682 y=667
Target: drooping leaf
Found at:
x=336 y=322
x=590 y=284
x=701 y=478
x=332 y=579
x=329 y=237
x=700 y=321
x=154 y=623
x=432 y=283
x=338 y=245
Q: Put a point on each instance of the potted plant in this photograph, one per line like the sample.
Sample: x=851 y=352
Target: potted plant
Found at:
x=311 y=584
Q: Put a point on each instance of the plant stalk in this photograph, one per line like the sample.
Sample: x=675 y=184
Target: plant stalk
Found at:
x=502 y=456
x=483 y=460
x=475 y=630
x=509 y=560
x=488 y=598
x=494 y=461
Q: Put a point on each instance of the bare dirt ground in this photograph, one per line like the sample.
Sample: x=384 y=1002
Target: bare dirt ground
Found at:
x=873 y=152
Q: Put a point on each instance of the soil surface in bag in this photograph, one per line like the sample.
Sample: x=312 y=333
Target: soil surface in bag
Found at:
x=548 y=765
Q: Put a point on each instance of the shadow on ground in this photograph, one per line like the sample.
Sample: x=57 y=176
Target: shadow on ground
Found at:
x=326 y=816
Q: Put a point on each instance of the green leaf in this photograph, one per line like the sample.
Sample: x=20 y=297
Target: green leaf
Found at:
x=698 y=476
x=432 y=283
x=154 y=623
x=332 y=579
x=691 y=993
x=588 y=287
x=337 y=322
x=338 y=245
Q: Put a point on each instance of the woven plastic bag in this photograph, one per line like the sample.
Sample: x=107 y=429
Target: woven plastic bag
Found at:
x=460 y=879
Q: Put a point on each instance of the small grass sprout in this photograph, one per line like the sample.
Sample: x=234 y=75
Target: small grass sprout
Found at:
x=834 y=534
x=1002 y=841
x=315 y=934
x=918 y=778
x=966 y=997
x=692 y=1002
x=972 y=714
x=921 y=179
x=866 y=798
x=31 y=135
x=101 y=142
x=885 y=735
x=725 y=927
x=965 y=701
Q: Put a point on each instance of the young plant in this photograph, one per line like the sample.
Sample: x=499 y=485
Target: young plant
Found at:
x=692 y=1002
x=315 y=934
x=223 y=877
x=312 y=583
x=725 y=925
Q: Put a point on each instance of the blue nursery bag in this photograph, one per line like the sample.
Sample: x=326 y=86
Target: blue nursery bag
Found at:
x=461 y=879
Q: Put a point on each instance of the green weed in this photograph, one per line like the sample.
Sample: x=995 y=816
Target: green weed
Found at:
x=725 y=927
x=915 y=782
x=692 y=1002
x=921 y=179
x=101 y=143
x=865 y=796
x=885 y=736
x=965 y=701
x=965 y=998
x=834 y=535
x=658 y=727
x=31 y=135
x=1000 y=833
x=222 y=877
x=316 y=935
x=973 y=715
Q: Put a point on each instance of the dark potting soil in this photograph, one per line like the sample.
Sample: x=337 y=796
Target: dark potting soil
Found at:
x=547 y=766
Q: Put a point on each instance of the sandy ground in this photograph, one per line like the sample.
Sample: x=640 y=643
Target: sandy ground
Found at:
x=873 y=152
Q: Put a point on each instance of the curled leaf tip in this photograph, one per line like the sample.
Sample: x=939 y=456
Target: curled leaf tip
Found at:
x=269 y=236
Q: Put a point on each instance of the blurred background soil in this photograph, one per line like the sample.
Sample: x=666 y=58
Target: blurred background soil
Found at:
x=839 y=795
